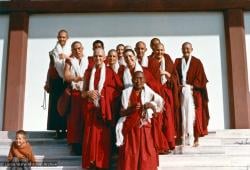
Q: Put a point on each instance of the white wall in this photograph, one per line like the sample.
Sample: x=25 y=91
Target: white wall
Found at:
x=204 y=30
x=247 y=32
x=4 y=27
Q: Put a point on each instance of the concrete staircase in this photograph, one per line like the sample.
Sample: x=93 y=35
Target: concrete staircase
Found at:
x=220 y=150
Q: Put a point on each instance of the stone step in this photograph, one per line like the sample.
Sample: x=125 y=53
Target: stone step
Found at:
x=31 y=134
x=65 y=150
x=159 y=168
x=210 y=141
x=216 y=140
x=233 y=133
x=198 y=150
x=37 y=141
x=43 y=150
x=225 y=149
x=51 y=133
x=237 y=150
x=50 y=150
x=206 y=168
x=51 y=168
x=59 y=162
x=55 y=160
x=204 y=141
x=208 y=160
x=180 y=164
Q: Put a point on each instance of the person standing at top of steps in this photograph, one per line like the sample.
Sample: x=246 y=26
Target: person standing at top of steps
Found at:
x=194 y=106
x=20 y=154
x=55 y=84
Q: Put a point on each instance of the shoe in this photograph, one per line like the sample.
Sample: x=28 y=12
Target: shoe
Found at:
x=57 y=135
x=76 y=149
x=60 y=134
x=63 y=134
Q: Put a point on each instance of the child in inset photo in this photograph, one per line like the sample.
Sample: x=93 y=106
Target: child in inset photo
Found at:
x=20 y=154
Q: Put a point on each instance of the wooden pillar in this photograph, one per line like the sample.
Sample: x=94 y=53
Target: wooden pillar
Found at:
x=16 y=71
x=237 y=68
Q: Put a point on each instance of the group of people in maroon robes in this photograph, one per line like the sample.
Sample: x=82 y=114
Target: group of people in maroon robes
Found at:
x=144 y=105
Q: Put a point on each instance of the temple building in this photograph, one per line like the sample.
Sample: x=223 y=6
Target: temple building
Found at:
x=219 y=31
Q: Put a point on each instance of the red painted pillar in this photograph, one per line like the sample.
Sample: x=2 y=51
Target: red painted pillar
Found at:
x=16 y=71
x=237 y=69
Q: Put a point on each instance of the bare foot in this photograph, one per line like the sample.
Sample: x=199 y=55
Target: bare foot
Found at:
x=196 y=144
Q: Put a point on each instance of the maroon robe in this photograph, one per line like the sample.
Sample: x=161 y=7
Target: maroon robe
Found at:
x=56 y=88
x=91 y=61
x=75 y=118
x=151 y=55
x=98 y=121
x=138 y=151
x=160 y=140
x=197 y=78
x=169 y=92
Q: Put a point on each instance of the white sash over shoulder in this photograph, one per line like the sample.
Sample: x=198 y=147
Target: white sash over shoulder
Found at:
x=100 y=83
x=147 y=95
x=187 y=105
x=127 y=77
x=59 y=63
x=78 y=69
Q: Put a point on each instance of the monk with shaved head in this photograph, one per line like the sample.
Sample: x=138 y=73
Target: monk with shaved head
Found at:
x=101 y=89
x=194 y=106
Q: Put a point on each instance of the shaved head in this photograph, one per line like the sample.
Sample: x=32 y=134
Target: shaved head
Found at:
x=138 y=80
x=187 y=43
x=99 y=51
x=154 y=42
